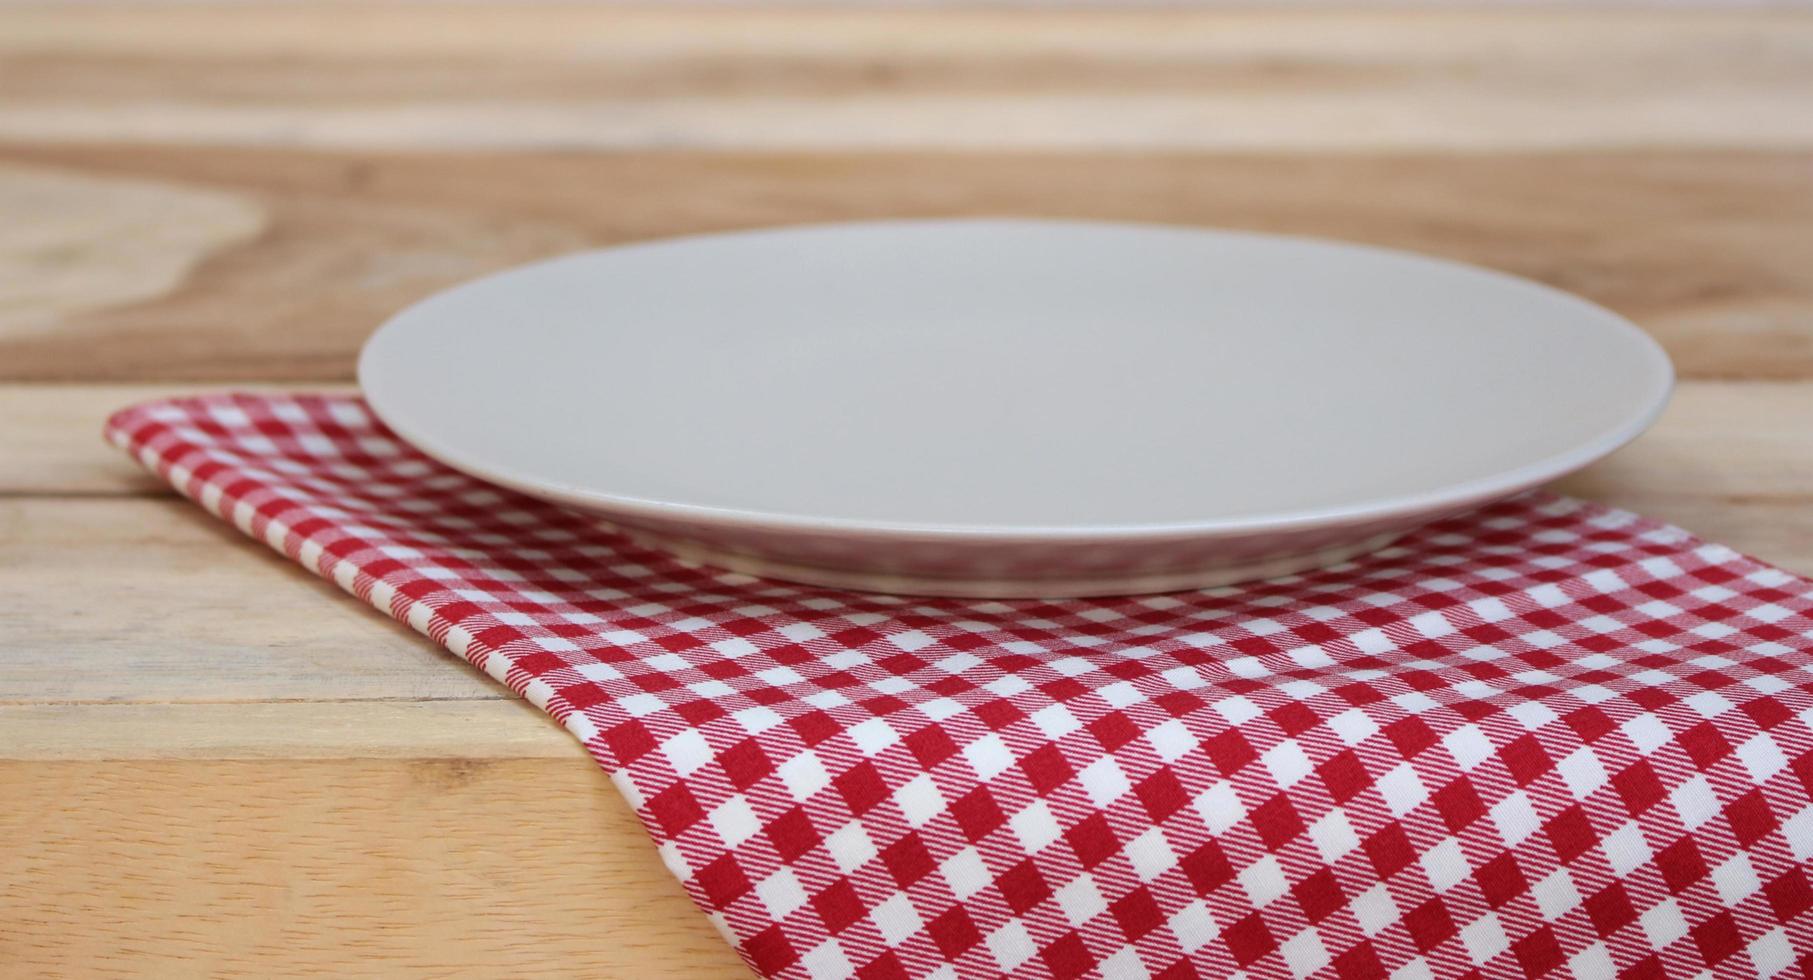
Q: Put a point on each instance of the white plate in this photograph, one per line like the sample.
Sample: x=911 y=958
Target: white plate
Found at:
x=1012 y=408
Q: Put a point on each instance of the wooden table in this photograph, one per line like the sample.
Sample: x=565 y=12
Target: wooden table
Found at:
x=212 y=762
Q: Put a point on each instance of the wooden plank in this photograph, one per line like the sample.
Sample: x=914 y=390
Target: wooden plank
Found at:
x=54 y=446
x=156 y=600
x=297 y=867
x=1711 y=252
x=498 y=728
x=53 y=443
x=568 y=75
x=1731 y=462
x=1716 y=442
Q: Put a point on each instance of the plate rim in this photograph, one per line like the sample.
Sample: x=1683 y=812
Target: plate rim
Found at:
x=1395 y=507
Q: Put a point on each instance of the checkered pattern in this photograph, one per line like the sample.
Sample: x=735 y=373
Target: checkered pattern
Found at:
x=1544 y=737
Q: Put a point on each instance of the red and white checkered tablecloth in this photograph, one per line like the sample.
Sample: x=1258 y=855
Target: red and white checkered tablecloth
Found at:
x=1547 y=737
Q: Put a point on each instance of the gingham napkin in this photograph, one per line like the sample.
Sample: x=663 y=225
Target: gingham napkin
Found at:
x=1547 y=736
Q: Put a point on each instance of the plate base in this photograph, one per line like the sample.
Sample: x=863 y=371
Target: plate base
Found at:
x=1096 y=583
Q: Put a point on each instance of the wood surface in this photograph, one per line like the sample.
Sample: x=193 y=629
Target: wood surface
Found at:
x=212 y=763
x=347 y=866
x=1708 y=249
x=584 y=76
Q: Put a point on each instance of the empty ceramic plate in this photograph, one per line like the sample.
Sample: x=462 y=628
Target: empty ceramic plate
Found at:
x=1012 y=408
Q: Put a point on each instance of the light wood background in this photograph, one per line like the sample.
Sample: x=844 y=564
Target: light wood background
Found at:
x=212 y=763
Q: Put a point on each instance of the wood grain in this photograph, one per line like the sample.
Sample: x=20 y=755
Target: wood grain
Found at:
x=535 y=76
x=1716 y=443
x=155 y=600
x=210 y=729
x=336 y=868
x=75 y=243
x=1672 y=186
x=59 y=450
x=1712 y=252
